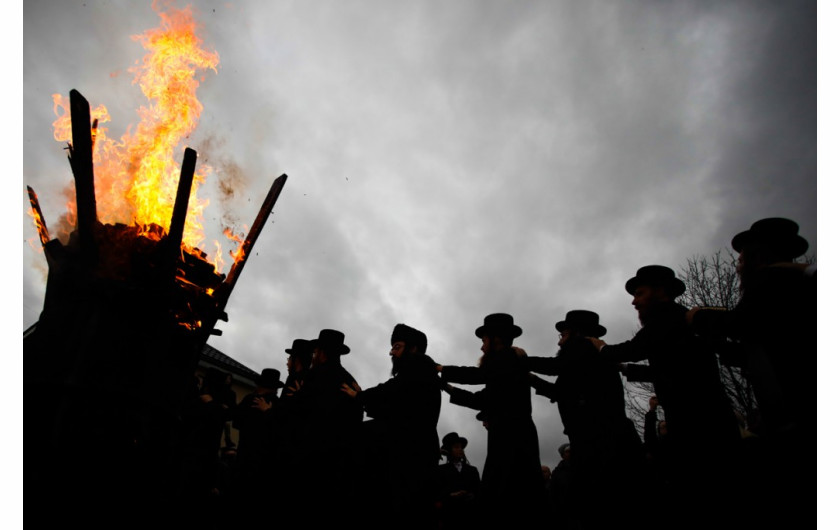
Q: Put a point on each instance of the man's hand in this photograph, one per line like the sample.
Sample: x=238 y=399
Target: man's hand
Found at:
x=294 y=387
x=598 y=343
x=261 y=403
x=351 y=391
x=689 y=316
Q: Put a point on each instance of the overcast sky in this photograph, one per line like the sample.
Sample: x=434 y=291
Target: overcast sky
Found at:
x=447 y=160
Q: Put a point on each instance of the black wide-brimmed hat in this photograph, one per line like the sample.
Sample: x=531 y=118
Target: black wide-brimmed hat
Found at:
x=409 y=335
x=451 y=438
x=500 y=324
x=331 y=340
x=269 y=378
x=300 y=347
x=778 y=234
x=584 y=321
x=656 y=275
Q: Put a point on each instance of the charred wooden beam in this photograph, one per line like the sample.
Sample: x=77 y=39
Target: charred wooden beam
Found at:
x=182 y=200
x=43 y=233
x=81 y=160
x=245 y=249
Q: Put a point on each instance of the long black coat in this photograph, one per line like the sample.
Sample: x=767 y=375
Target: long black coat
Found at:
x=605 y=445
x=405 y=411
x=512 y=481
x=588 y=390
x=460 y=510
x=685 y=375
x=776 y=324
x=330 y=424
x=258 y=454
x=702 y=429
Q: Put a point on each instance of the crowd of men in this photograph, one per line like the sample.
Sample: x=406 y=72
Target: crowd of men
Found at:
x=306 y=454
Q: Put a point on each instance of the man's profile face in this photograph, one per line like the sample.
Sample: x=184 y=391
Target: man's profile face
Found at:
x=564 y=336
x=646 y=297
x=397 y=349
x=397 y=352
x=485 y=344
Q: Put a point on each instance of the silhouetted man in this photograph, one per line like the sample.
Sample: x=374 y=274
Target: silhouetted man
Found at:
x=458 y=485
x=258 y=461
x=331 y=421
x=774 y=328
x=405 y=412
x=590 y=397
x=701 y=423
x=511 y=482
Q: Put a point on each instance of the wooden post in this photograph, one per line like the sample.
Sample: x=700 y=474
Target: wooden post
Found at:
x=81 y=160
x=182 y=200
x=245 y=249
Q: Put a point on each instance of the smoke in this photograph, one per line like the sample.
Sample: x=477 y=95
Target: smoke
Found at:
x=232 y=182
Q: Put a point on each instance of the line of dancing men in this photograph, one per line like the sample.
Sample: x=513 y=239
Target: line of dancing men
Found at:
x=306 y=455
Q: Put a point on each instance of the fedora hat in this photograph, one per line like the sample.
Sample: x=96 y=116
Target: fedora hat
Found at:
x=269 y=378
x=300 y=347
x=778 y=234
x=409 y=335
x=656 y=275
x=499 y=324
x=451 y=438
x=332 y=341
x=584 y=321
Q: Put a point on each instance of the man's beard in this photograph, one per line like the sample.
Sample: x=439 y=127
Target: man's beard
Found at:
x=396 y=362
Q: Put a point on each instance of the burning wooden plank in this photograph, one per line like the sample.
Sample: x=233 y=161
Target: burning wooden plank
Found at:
x=182 y=199
x=245 y=249
x=43 y=232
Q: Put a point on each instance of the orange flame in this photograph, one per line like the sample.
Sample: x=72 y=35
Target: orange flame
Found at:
x=137 y=176
x=37 y=218
x=42 y=230
x=239 y=255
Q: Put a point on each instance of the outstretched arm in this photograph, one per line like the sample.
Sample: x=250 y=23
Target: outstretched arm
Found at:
x=465 y=375
x=465 y=398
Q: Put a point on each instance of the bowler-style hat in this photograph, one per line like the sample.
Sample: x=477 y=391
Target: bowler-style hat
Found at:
x=300 y=347
x=269 y=378
x=331 y=340
x=586 y=322
x=658 y=276
x=777 y=234
x=451 y=438
x=411 y=336
x=499 y=324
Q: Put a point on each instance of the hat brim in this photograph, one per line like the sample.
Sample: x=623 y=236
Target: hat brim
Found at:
x=460 y=439
x=593 y=331
x=674 y=286
x=512 y=331
x=793 y=247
